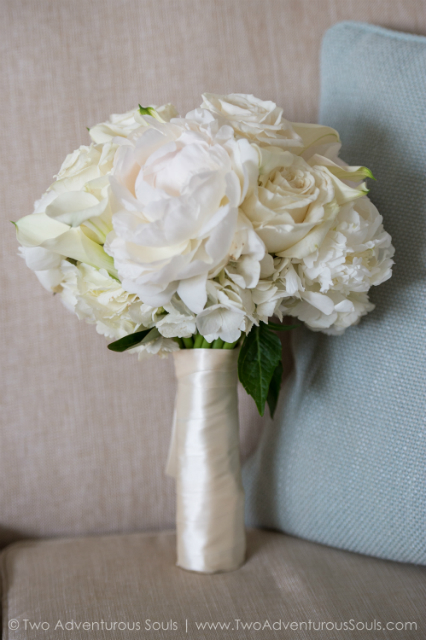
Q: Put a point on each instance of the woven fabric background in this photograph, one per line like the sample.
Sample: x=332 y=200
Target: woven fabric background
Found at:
x=345 y=461
x=134 y=578
x=84 y=432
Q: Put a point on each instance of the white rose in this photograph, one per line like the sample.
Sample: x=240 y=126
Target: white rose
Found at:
x=123 y=124
x=177 y=188
x=257 y=120
x=72 y=219
x=82 y=188
x=262 y=123
x=81 y=169
x=296 y=202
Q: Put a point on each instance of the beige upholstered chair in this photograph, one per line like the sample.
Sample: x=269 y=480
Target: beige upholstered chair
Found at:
x=84 y=502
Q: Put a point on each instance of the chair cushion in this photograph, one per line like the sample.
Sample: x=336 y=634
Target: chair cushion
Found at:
x=133 y=579
x=344 y=462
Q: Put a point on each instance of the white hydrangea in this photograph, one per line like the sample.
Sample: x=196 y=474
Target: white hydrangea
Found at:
x=228 y=313
x=174 y=320
x=158 y=346
x=97 y=298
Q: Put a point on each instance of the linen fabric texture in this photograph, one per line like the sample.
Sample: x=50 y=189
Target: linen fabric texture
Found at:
x=344 y=462
x=132 y=578
x=84 y=432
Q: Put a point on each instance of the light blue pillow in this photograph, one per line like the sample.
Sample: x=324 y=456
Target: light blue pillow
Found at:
x=344 y=462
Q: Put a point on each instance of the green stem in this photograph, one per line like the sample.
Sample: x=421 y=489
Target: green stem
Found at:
x=198 y=341
x=230 y=345
x=188 y=342
x=179 y=342
x=206 y=345
x=217 y=344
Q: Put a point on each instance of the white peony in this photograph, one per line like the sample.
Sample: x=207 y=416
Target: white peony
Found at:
x=177 y=189
x=328 y=288
x=331 y=313
x=356 y=253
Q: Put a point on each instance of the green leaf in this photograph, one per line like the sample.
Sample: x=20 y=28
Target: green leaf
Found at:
x=274 y=388
x=282 y=327
x=128 y=341
x=152 y=335
x=258 y=359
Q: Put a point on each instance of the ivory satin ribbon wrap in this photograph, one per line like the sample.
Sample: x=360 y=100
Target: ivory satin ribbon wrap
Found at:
x=204 y=458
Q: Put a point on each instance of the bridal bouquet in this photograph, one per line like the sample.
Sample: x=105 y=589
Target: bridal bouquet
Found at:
x=186 y=235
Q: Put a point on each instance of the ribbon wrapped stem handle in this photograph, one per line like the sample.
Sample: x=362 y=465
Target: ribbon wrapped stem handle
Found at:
x=204 y=458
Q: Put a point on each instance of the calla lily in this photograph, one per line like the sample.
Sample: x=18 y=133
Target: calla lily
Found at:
x=312 y=136
x=75 y=207
x=343 y=193
x=353 y=174
x=33 y=230
x=40 y=230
